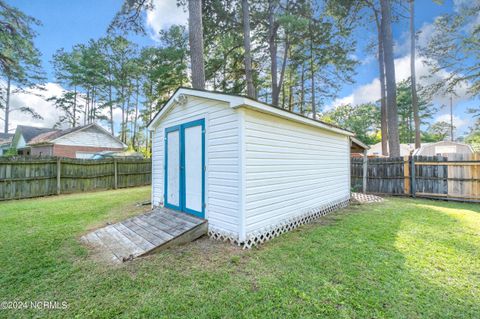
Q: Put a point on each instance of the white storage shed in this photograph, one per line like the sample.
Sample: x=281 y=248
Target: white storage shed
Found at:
x=251 y=169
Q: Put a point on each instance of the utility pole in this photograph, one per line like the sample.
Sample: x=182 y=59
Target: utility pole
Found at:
x=451 y=118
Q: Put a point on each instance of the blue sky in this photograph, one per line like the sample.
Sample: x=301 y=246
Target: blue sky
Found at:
x=66 y=23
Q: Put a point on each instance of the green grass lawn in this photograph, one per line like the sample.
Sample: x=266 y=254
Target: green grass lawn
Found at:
x=400 y=259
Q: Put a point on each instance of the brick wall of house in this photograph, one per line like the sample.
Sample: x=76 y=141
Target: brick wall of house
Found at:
x=71 y=151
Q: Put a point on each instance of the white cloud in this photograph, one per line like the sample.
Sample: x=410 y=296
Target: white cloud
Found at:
x=165 y=14
x=117 y=119
x=424 y=34
x=459 y=123
x=363 y=94
x=38 y=103
x=370 y=92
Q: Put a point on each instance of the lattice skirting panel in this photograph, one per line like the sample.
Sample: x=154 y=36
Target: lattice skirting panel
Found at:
x=222 y=235
x=270 y=232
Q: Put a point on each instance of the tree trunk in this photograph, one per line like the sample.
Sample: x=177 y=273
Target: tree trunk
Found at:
x=92 y=107
x=247 y=47
x=110 y=102
x=87 y=102
x=122 y=134
x=451 y=118
x=272 y=45
x=416 y=116
x=75 y=106
x=134 y=139
x=393 y=138
x=290 y=90
x=284 y=66
x=312 y=79
x=127 y=113
x=7 y=105
x=195 y=35
x=302 y=89
x=381 y=72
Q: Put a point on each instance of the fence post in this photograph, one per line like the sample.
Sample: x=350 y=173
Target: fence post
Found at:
x=365 y=170
x=412 y=176
x=115 y=168
x=406 y=174
x=59 y=175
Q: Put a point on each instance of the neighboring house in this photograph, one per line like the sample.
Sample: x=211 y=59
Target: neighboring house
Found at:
x=358 y=148
x=78 y=142
x=251 y=169
x=445 y=148
x=24 y=135
x=405 y=149
x=5 y=142
x=453 y=150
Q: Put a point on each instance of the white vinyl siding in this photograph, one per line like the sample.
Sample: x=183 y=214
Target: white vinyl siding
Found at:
x=221 y=158
x=91 y=137
x=291 y=168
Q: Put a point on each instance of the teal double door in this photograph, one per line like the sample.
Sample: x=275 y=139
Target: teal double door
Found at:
x=185 y=167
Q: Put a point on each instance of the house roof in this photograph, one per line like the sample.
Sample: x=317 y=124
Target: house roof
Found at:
x=358 y=145
x=30 y=132
x=52 y=136
x=237 y=101
x=467 y=149
x=6 y=138
x=406 y=149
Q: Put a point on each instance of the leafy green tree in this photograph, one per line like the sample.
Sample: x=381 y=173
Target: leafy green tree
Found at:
x=67 y=104
x=453 y=52
x=247 y=48
x=224 y=67
x=406 y=114
x=67 y=72
x=130 y=17
x=473 y=138
x=438 y=131
x=382 y=13
x=413 y=77
x=20 y=65
x=163 y=70
x=363 y=120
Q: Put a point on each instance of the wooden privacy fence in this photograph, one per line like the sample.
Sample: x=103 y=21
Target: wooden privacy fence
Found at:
x=419 y=176
x=34 y=177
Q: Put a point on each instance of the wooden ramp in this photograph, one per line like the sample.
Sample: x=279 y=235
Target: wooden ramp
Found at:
x=145 y=234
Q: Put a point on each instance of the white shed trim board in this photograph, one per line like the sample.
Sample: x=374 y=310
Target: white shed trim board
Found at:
x=235 y=102
x=267 y=170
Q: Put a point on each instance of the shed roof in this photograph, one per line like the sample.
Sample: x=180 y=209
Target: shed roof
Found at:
x=237 y=101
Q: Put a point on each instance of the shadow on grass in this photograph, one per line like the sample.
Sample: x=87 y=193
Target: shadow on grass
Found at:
x=399 y=259
x=403 y=258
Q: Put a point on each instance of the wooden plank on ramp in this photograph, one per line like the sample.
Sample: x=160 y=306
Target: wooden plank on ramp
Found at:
x=145 y=234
